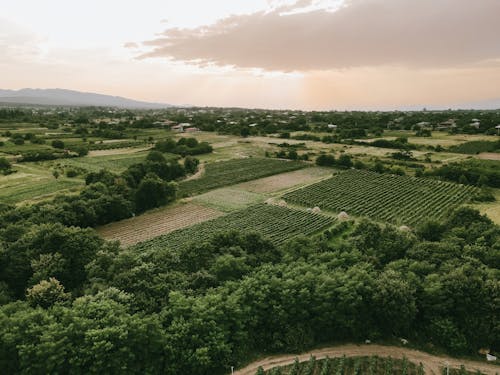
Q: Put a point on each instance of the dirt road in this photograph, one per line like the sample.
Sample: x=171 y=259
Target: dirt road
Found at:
x=432 y=364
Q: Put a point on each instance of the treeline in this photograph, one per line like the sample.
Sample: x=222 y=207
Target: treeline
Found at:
x=470 y=172
x=184 y=146
x=208 y=307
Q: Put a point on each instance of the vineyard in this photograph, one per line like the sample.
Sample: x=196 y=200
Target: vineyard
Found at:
x=278 y=224
x=156 y=223
x=348 y=366
x=234 y=171
x=395 y=199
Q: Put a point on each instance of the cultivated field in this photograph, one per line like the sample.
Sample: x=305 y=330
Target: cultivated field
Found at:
x=229 y=199
x=156 y=223
x=278 y=224
x=32 y=182
x=395 y=199
x=285 y=181
x=231 y=172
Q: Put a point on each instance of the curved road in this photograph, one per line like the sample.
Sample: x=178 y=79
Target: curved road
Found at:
x=432 y=363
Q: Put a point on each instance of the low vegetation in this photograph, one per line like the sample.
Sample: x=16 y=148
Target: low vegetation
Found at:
x=278 y=224
x=398 y=199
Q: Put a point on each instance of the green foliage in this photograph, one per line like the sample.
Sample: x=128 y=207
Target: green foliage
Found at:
x=325 y=160
x=476 y=147
x=5 y=165
x=279 y=224
x=46 y=293
x=57 y=143
x=191 y=164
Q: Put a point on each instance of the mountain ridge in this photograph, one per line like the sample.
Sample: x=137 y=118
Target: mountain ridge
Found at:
x=65 y=97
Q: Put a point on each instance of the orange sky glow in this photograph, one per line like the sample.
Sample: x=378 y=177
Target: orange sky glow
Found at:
x=305 y=54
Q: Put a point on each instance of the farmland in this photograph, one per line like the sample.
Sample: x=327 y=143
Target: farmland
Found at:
x=156 y=223
x=397 y=199
x=350 y=365
x=189 y=259
x=278 y=224
x=234 y=171
x=229 y=199
x=284 y=181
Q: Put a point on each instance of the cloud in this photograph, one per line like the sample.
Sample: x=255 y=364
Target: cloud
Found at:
x=131 y=45
x=361 y=33
x=17 y=43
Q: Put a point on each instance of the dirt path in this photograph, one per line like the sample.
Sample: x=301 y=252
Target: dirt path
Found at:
x=432 y=364
x=198 y=174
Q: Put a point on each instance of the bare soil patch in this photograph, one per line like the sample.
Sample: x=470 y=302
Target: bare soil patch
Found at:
x=287 y=180
x=117 y=151
x=489 y=155
x=155 y=223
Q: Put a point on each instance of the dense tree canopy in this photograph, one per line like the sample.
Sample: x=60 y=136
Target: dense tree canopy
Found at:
x=205 y=307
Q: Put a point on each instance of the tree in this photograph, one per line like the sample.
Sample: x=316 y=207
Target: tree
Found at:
x=156 y=156
x=150 y=193
x=57 y=143
x=325 y=160
x=431 y=230
x=46 y=293
x=191 y=164
x=55 y=173
x=4 y=165
x=344 y=161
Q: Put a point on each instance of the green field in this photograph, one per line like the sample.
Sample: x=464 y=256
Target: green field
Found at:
x=396 y=199
x=32 y=182
x=234 y=171
x=278 y=224
x=114 y=163
x=228 y=200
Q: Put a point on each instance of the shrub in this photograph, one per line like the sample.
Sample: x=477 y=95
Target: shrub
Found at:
x=57 y=143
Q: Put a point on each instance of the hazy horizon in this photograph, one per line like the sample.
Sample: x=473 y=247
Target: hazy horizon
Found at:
x=306 y=54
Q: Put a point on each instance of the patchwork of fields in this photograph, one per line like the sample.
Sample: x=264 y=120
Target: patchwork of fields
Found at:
x=156 y=223
x=278 y=224
x=395 y=199
x=233 y=171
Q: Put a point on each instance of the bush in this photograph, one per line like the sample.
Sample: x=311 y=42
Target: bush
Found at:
x=57 y=143
x=71 y=173
x=326 y=161
x=5 y=165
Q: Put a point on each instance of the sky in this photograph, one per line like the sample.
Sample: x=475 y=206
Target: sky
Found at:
x=284 y=54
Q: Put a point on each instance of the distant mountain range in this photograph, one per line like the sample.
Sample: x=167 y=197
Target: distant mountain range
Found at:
x=60 y=97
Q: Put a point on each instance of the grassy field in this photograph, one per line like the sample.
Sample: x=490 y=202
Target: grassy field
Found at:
x=278 y=224
x=397 y=199
x=229 y=199
x=114 y=162
x=33 y=182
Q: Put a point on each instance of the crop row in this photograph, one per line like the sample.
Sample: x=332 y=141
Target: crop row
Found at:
x=278 y=224
x=234 y=171
x=349 y=365
x=396 y=199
